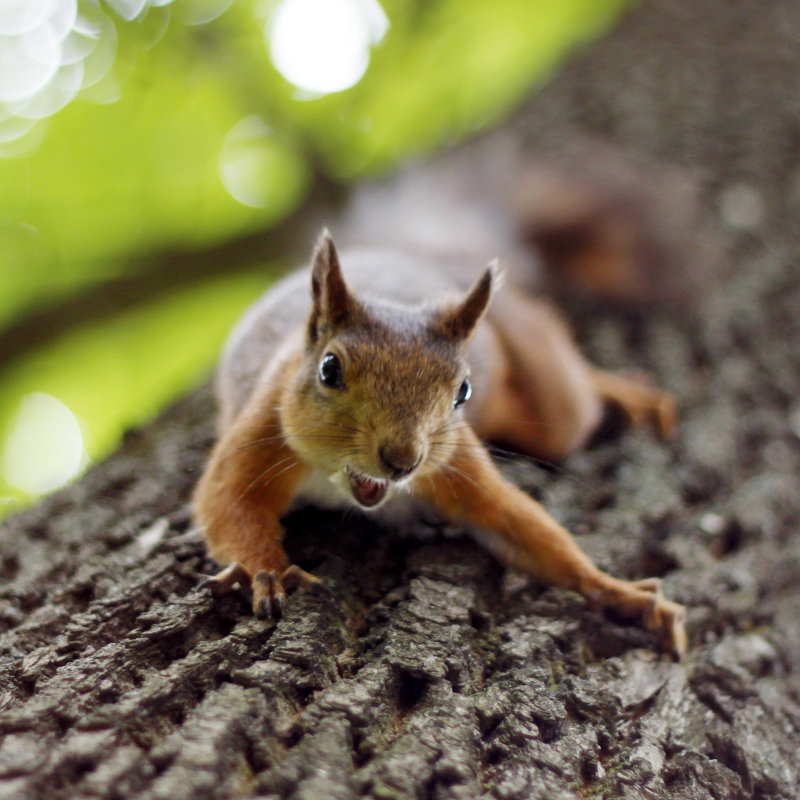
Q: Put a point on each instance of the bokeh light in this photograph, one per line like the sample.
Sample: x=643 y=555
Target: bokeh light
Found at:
x=323 y=46
x=247 y=162
x=45 y=447
x=51 y=50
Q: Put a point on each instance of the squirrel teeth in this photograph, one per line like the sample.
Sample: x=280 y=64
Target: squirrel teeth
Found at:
x=367 y=491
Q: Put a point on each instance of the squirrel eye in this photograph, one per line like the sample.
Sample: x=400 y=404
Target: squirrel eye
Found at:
x=463 y=394
x=330 y=372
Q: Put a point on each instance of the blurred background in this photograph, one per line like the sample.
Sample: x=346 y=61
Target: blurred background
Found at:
x=149 y=147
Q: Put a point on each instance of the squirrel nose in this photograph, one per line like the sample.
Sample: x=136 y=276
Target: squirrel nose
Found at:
x=399 y=461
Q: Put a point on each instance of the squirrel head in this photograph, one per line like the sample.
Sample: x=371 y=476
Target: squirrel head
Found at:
x=376 y=401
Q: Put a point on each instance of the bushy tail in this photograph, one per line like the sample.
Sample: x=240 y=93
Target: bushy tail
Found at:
x=612 y=228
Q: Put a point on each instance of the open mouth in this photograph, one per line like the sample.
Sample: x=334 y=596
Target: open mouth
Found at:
x=367 y=491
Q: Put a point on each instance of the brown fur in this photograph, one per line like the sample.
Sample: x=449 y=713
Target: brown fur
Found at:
x=249 y=483
x=403 y=360
x=469 y=489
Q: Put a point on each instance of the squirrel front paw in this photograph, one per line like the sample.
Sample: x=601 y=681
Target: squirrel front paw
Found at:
x=665 y=618
x=645 y=600
x=266 y=590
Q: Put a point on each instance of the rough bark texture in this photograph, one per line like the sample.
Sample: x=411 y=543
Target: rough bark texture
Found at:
x=430 y=673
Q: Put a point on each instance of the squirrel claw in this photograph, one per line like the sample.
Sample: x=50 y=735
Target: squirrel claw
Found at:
x=269 y=596
x=669 y=623
x=226 y=580
x=294 y=577
x=266 y=590
x=665 y=618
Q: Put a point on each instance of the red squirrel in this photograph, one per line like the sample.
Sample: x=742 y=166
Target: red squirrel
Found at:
x=371 y=378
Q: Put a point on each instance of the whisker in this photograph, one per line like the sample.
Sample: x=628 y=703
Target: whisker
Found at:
x=262 y=474
x=285 y=469
x=266 y=439
x=451 y=467
x=449 y=485
x=500 y=453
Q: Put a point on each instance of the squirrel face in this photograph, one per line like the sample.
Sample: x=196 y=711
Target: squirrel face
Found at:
x=375 y=401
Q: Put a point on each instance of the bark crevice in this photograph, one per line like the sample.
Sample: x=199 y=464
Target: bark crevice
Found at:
x=429 y=672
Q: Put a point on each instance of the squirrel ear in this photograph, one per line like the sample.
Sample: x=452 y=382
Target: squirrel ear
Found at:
x=331 y=298
x=458 y=322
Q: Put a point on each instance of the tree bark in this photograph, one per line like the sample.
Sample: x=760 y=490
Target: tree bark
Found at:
x=431 y=673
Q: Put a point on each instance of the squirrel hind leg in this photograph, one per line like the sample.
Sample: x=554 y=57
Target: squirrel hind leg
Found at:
x=545 y=399
x=519 y=424
x=542 y=400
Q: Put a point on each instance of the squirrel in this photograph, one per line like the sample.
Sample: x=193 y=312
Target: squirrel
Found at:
x=370 y=379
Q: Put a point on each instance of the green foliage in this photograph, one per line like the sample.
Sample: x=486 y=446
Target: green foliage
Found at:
x=445 y=69
x=111 y=183
x=114 y=375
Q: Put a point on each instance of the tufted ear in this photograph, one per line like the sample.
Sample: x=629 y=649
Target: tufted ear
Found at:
x=331 y=299
x=459 y=321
